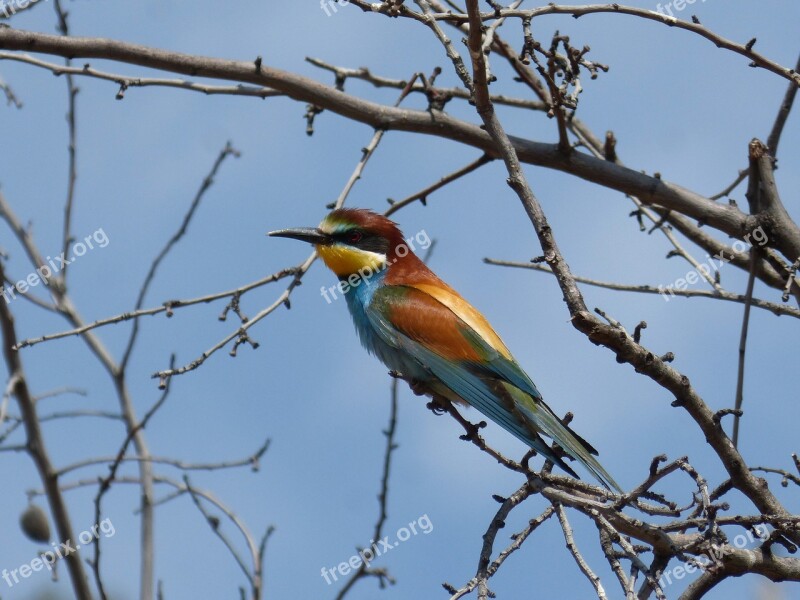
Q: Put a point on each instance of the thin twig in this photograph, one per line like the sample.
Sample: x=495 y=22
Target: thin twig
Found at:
x=11 y=97
x=167 y=307
x=422 y=195
x=364 y=569
x=364 y=74
x=743 y=349
x=125 y=82
x=783 y=114
x=778 y=309
x=72 y=92
x=746 y=49
x=576 y=554
x=254 y=577
x=227 y=151
x=740 y=177
x=250 y=461
x=105 y=482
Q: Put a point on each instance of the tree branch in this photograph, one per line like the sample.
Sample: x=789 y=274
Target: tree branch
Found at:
x=651 y=190
x=37 y=450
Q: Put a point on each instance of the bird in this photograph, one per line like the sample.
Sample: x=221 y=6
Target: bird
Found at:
x=428 y=334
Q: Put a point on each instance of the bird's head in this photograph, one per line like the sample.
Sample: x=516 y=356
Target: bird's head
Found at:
x=351 y=240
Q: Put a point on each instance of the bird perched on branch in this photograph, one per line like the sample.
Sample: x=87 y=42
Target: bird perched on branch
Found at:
x=424 y=331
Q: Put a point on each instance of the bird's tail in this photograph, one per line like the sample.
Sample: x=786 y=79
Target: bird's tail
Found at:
x=542 y=419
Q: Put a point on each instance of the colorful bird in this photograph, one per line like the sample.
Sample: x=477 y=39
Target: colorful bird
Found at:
x=422 y=329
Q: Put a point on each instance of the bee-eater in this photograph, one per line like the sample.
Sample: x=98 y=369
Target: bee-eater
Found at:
x=422 y=329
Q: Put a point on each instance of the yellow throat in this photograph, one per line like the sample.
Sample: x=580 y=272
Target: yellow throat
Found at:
x=346 y=260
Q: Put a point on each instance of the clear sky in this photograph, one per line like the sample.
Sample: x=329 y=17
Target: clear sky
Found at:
x=677 y=104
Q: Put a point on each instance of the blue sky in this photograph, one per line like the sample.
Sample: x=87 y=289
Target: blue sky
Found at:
x=677 y=105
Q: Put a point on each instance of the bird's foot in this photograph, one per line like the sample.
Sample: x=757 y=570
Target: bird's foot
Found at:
x=473 y=431
x=418 y=387
x=438 y=405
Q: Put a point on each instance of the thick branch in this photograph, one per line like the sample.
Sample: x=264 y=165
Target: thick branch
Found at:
x=614 y=338
x=739 y=562
x=650 y=190
x=37 y=450
x=772 y=213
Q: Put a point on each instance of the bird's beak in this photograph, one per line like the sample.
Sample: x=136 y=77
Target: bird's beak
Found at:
x=312 y=235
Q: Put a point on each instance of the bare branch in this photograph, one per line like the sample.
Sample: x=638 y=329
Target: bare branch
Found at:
x=626 y=349
x=227 y=151
x=783 y=114
x=777 y=309
x=649 y=189
x=364 y=74
x=125 y=82
x=254 y=578
x=422 y=195
x=739 y=398
x=746 y=49
x=72 y=92
x=576 y=554
x=11 y=97
x=364 y=570
x=37 y=450
x=167 y=307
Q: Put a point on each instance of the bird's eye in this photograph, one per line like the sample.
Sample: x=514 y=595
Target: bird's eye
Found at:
x=354 y=237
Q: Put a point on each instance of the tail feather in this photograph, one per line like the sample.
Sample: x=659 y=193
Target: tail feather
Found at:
x=541 y=418
x=589 y=448
x=542 y=448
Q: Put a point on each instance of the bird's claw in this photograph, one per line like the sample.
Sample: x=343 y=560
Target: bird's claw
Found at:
x=418 y=387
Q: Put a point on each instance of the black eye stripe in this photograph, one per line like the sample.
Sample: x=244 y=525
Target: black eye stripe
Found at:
x=363 y=240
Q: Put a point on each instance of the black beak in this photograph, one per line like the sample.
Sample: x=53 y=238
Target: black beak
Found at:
x=312 y=235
